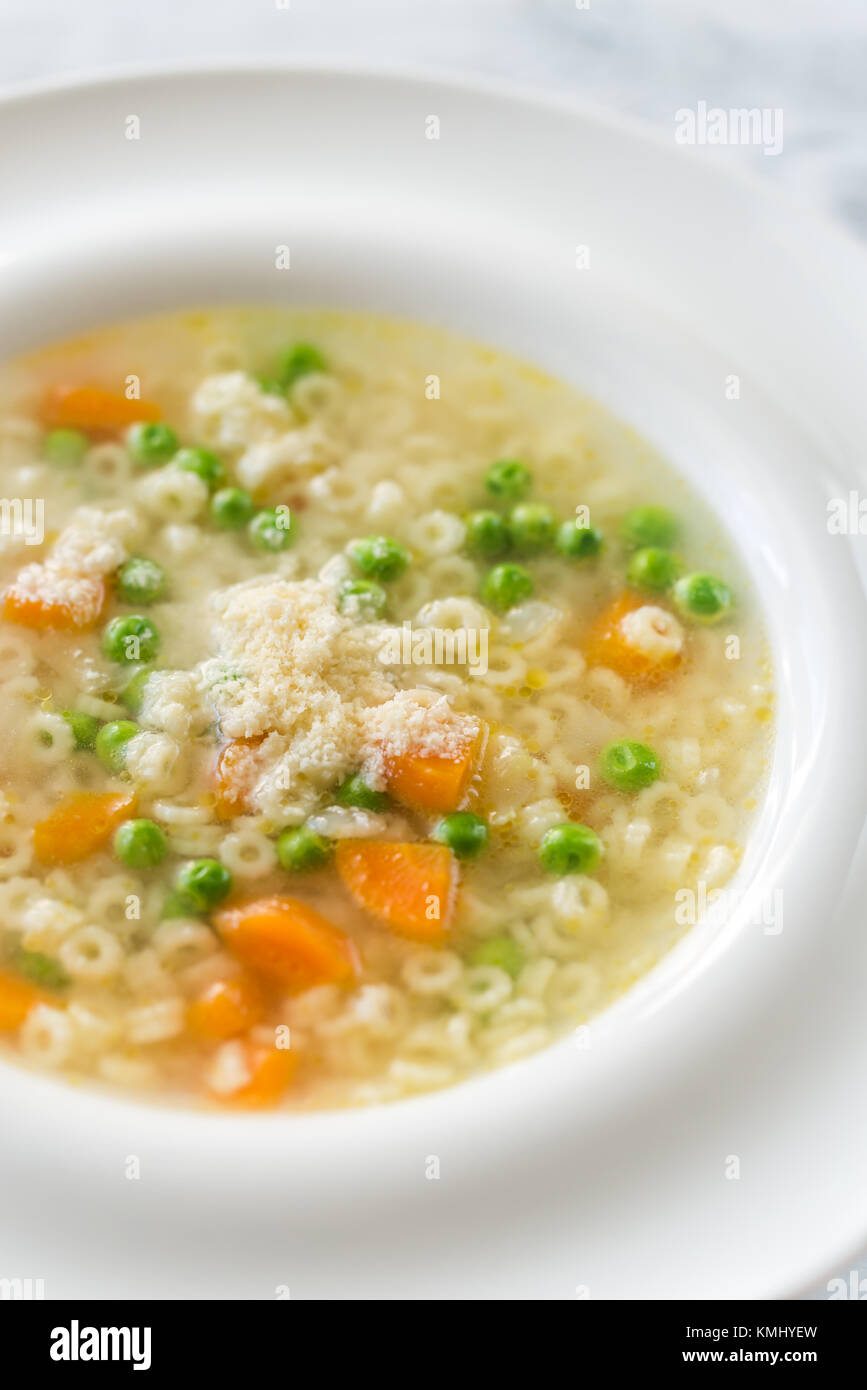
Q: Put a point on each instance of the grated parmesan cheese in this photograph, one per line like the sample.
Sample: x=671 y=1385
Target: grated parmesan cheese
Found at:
x=415 y=721
x=93 y=545
x=81 y=596
x=299 y=660
x=298 y=674
x=305 y=681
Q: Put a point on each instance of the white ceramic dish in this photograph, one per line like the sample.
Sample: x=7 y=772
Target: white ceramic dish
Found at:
x=598 y=1168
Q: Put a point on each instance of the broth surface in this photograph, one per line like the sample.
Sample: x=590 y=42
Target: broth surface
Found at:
x=263 y=677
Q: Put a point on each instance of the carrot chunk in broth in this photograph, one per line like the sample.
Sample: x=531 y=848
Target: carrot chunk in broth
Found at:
x=17 y=998
x=92 y=408
x=82 y=824
x=608 y=643
x=411 y=887
x=225 y=1008
x=288 y=942
x=233 y=775
x=77 y=607
x=434 y=784
x=271 y=1071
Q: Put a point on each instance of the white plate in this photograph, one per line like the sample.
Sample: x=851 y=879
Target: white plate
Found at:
x=600 y=1170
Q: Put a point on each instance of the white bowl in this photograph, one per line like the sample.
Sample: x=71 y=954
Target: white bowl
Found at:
x=600 y=1168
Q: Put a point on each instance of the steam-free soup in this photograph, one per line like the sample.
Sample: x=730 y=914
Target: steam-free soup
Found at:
x=369 y=703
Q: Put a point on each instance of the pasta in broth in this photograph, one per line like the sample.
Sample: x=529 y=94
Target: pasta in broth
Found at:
x=369 y=700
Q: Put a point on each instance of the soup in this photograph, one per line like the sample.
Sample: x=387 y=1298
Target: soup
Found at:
x=375 y=709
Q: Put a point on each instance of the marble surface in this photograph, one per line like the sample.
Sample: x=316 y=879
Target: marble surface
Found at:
x=643 y=58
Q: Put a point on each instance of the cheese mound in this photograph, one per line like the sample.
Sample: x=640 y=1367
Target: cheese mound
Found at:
x=303 y=684
x=296 y=674
x=293 y=662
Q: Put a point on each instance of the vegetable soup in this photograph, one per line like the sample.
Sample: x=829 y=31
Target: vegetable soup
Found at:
x=370 y=706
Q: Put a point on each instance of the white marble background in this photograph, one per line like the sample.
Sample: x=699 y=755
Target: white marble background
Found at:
x=643 y=58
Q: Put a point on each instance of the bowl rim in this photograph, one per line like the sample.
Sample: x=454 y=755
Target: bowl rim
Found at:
x=442 y=75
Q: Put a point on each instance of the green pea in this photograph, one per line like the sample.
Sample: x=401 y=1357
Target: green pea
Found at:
x=502 y=951
x=628 y=765
x=202 y=884
x=132 y=694
x=653 y=568
x=570 y=849
x=299 y=360
x=379 y=557
x=270 y=385
x=272 y=529
x=356 y=792
x=532 y=527
x=232 y=508
x=362 y=598
x=643 y=526
x=85 y=727
x=132 y=638
x=66 y=447
x=465 y=834
x=203 y=463
x=176 y=905
x=151 y=444
x=140 y=844
x=42 y=970
x=506 y=585
x=140 y=580
x=508 y=479
x=703 y=597
x=487 y=534
x=111 y=741
x=300 y=849
x=579 y=542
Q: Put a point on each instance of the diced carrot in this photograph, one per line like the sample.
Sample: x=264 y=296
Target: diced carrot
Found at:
x=81 y=824
x=271 y=1071
x=434 y=784
x=17 y=998
x=92 y=408
x=410 y=886
x=232 y=776
x=225 y=1008
x=288 y=942
x=77 y=610
x=606 y=645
